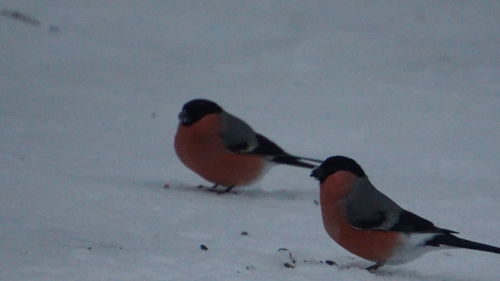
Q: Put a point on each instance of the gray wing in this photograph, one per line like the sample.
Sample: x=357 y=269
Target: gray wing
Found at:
x=368 y=208
x=238 y=136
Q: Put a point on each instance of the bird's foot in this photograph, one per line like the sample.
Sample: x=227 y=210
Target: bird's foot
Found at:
x=213 y=187
x=219 y=192
x=374 y=267
x=227 y=190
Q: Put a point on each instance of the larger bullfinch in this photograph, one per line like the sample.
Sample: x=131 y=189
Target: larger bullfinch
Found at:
x=369 y=224
x=225 y=150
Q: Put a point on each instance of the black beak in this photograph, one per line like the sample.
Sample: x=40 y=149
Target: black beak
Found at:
x=317 y=173
x=184 y=118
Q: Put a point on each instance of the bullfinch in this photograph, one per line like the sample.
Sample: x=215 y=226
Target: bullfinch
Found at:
x=369 y=224
x=225 y=150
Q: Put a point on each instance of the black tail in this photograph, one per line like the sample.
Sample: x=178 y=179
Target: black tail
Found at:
x=452 y=240
x=294 y=161
x=269 y=148
x=309 y=159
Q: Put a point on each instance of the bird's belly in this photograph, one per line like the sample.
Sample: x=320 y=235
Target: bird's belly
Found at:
x=212 y=161
x=374 y=245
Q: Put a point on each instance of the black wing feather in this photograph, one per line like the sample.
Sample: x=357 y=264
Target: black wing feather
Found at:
x=409 y=222
x=269 y=148
x=371 y=223
x=239 y=147
x=264 y=147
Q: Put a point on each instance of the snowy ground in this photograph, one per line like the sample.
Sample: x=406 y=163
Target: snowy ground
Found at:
x=88 y=106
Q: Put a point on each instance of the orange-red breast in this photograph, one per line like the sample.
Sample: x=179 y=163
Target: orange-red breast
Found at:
x=369 y=224
x=225 y=150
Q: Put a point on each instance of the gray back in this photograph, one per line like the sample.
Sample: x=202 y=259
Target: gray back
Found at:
x=237 y=132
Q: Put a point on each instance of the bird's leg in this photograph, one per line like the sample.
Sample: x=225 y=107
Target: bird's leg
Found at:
x=374 y=267
x=211 y=188
x=225 y=190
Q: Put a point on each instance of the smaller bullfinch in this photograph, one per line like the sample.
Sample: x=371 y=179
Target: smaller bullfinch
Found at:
x=225 y=150
x=370 y=225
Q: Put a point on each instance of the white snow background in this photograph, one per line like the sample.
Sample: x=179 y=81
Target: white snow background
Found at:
x=88 y=112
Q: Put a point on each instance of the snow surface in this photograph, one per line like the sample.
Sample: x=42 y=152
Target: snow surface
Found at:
x=88 y=111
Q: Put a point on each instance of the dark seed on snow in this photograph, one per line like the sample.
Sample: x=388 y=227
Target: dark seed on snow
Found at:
x=244 y=233
x=203 y=247
x=329 y=262
x=316 y=202
x=89 y=248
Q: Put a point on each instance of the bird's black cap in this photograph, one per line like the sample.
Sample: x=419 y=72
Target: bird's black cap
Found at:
x=334 y=164
x=196 y=109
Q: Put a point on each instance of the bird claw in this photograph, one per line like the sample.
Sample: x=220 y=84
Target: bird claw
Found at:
x=374 y=267
x=219 y=192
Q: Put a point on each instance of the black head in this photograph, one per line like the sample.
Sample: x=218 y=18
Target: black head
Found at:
x=334 y=164
x=196 y=109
